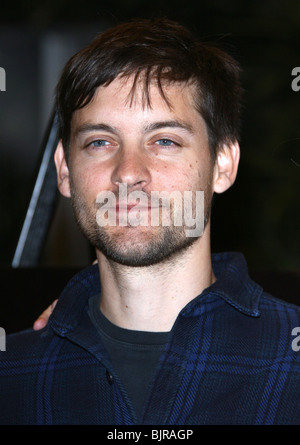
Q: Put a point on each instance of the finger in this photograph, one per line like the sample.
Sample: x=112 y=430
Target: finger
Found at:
x=42 y=320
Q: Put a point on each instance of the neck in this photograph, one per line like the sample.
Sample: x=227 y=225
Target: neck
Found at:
x=150 y=298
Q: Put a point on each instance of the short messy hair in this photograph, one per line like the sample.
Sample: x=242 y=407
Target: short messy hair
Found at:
x=157 y=50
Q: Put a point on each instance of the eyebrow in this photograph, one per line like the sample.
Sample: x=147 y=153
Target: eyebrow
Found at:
x=171 y=124
x=89 y=127
x=86 y=128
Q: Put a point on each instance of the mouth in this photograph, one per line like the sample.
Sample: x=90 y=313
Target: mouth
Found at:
x=136 y=207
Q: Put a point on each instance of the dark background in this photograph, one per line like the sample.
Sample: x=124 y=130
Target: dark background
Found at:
x=258 y=216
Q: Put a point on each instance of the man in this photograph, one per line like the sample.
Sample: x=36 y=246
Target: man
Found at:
x=173 y=335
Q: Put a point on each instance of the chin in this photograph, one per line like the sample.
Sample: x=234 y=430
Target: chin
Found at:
x=141 y=249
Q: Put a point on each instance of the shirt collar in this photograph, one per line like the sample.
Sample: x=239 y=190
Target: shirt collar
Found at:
x=233 y=285
x=74 y=300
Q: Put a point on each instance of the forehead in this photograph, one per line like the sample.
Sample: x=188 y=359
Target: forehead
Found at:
x=125 y=100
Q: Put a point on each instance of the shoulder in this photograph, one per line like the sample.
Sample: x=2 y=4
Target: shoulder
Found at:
x=25 y=347
x=277 y=308
x=278 y=326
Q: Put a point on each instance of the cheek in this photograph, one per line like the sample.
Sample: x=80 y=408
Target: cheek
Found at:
x=179 y=179
x=204 y=170
x=89 y=180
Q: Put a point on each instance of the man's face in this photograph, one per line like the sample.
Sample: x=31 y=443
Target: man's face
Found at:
x=157 y=148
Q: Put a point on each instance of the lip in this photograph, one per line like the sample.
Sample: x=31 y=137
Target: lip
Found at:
x=133 y=206
x=128 y=207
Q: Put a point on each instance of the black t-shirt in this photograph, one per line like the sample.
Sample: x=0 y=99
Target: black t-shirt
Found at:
x=134 y=354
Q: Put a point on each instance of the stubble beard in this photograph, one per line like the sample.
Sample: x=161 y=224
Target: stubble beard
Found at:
x=133 y=246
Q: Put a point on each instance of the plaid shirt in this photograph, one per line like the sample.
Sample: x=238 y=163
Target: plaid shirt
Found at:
x=229 y=360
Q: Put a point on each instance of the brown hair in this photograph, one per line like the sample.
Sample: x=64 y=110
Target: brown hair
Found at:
x=159 y=50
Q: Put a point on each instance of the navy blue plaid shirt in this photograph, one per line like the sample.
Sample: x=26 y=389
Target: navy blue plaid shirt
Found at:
x=229 y=360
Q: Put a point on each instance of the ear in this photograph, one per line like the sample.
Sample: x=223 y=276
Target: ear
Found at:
x=62 y=170
x=226 y=167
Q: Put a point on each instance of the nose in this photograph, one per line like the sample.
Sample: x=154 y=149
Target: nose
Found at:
x=131 y=169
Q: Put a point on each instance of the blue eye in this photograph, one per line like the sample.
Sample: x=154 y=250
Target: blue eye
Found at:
x=99 y=143
x=165 y=142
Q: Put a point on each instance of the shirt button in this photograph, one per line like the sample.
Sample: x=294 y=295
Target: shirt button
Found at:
x=109 y=378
